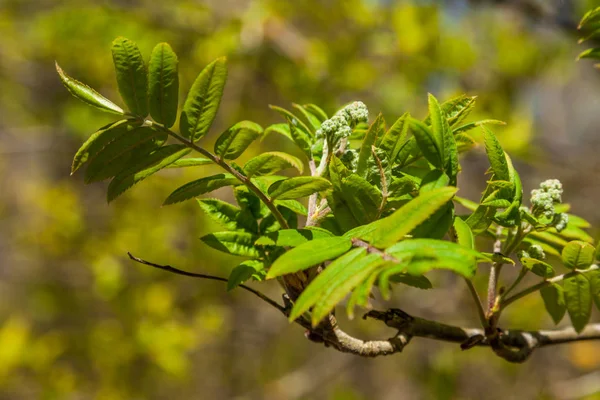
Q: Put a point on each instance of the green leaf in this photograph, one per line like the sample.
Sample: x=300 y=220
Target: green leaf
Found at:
x=147 y=166
x=352 y=275
x=163 y=84
x=227 y=215
x=309 y=254
x=271 y=162
x=292 y=205
x=123 y=152
x=236 y=243
x=394 y=138
x=594 y=278
x=427 y=143
x=428 y=254
x=365 y=153
x=554 y=301
x=98 y=140
x=314 y=292
x=540 y=268
x=316 y=111
x=281 y=129
x=464 y=236
x=87 y=94
x=190 y=162
x=593 y=53
x=389 y=230
x=235 y=140
x=360 y=295
x=578 y=255
x=456 y=109
x=200 y=186
x=202 y=103
x=132 y=76
x=464 y=142
x=292 y=237
x=246 y=270
x=293 y=120
x=472 y=125
x=444 y=139
x=300 y=137
x=435 y=179
x=496 y=155
x=314 y=122
x=592 y=15
x=578 y=300
x=300 y=186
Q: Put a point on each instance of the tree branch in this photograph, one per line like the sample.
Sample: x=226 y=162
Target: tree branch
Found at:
x=512 y=345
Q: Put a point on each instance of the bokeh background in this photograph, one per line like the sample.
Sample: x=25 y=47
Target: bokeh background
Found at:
x=78 y=320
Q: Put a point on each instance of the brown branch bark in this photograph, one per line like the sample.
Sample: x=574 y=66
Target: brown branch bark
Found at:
x=512 y=345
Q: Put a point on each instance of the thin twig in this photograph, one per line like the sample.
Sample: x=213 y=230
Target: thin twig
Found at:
x=494 y=274
x=477 y=300
x=210 y=277
x=547 y=282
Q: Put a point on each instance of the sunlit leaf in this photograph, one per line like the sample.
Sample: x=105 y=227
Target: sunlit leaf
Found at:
x=199 y=187
x=393 y=140
x=578 y=255
x=202 y=103
x=246 y=270
x=578 y=300
x=87 y=94
x=464 y=236
x=300 y=186
x=309 y=254
x=496 y=155
x=366 y=152
x=236 y=243
x=132 y=75
x=540 y=268
x=235 y=140
x=190 y=162
x=554 y=301
x=427 y=143
x=292 y=237
x=163 y=84
x=271 y=162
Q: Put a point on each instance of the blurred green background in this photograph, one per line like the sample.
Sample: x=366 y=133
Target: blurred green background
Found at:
x=78 y=320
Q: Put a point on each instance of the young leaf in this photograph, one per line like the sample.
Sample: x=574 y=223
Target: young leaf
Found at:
x=87 y=94
x=456 y=109
x=313 y=293
x=427 y=254
x=427 y=143
x=360 y=295
x=300 y=186
x=281 y=129
x=394 y=138
x=246 y=270
x=591 y=16
x=132 y=76
x=316 y=111
x=540 y=268
x=472 y=125
x=200 y=186
x=496 y=155
x=271 y=162
x=464 y=142
x=464 y=236
x=236 y=243
x=351 y=276
x=292 y=237
x=554 y=301
x=202 y=103
x=308 y=254
x=314 y=122
x=389 y=230
x=163 y=84
x=376 y=128
x=293 y=120
x=156 y=161
x=419 y=282
x=578 y=300
x=578 y=255
x=229 y=216
x=99 y=140
x=235 y=140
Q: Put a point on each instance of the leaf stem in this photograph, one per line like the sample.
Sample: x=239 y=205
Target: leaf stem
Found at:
x=223 y=164
x=479 y=306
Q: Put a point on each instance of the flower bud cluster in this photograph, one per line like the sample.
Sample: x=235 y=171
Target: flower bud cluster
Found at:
x=543 y=201
x=534 y=251
x=340 y=125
